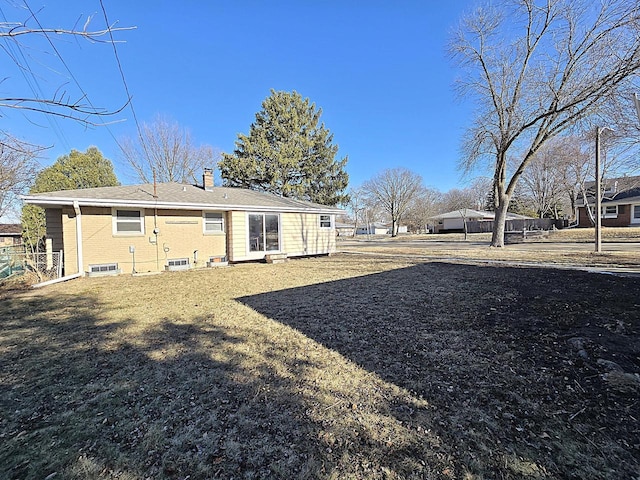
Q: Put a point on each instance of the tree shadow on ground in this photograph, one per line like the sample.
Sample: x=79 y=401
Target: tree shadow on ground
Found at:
x=83 y=397
x=528 y=373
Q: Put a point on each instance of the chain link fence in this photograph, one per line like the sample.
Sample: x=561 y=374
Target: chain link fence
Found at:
x=16 y=261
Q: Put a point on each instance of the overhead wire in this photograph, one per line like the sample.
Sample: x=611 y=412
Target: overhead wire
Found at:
x=14 y=50
x=73 y=77
x=124 y=82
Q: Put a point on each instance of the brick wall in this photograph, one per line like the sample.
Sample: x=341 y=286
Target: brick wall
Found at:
x=622 y=220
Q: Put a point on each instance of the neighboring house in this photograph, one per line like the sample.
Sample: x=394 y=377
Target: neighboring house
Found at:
x=454 y=220
x=145 y=228
x=620 y=203
x=344 y=229
x=10 y=234
x=375 y=228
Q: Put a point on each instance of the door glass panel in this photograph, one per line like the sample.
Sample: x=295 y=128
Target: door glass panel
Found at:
x=271 y=230
x=256 y=235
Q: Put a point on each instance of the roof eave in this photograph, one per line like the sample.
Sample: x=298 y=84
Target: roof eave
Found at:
x=44 y=201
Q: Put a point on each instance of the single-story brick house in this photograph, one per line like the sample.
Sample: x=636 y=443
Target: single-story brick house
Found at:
x=147 y=228
x=620 y=203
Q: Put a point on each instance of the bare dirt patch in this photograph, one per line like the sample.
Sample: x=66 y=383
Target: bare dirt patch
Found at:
x=338 y=367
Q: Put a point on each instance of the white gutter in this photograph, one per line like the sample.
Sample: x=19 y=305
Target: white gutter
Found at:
x=76 y=208
x=95 y=202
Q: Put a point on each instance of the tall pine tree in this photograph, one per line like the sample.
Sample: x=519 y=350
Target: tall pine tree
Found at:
x=288 y=152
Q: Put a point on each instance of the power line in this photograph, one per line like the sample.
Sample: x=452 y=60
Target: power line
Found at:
x=75 y=80
x=124 y=82
x=31 y=81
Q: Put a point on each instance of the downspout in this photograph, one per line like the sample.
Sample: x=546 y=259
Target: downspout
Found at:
x=76 y=208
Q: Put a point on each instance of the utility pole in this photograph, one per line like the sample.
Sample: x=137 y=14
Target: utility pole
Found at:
x=598 y=194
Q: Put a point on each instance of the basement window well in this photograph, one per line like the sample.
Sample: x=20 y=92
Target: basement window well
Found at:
x=177 y=264
x=104 y=269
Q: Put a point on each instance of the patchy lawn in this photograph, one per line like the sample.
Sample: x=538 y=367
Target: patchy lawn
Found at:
x=341 y=367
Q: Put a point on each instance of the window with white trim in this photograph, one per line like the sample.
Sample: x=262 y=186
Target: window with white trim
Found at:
x=213 y=222
x=610 y=211
x=325 y=221
x=636 y=214
x=128 y=222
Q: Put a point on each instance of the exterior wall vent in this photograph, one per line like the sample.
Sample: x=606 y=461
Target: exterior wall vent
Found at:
x=174 y=264
x=103 y=269
x=217 y=261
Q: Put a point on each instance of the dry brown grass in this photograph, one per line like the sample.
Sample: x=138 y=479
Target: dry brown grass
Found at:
x=511 y=254
x=570 y=247
x=337 y=367
x=566 y=234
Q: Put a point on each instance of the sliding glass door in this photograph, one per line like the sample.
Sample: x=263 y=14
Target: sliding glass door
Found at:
x=264 y=232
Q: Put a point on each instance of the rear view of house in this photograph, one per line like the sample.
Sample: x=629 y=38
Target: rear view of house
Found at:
x=147 y=228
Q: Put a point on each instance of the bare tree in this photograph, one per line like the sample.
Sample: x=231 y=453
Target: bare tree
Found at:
x=166 y=149
x=568 y=61
x=544 y=180
x=422 y=207
x=457 y=199
x=24 y=39
x=461 y=200
x=478 y=190
x=394 y=189
x=357 y=205
x=17 y=170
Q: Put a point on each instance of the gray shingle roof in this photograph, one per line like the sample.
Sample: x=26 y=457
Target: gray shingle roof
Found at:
x=10 y=229
x=177 y=196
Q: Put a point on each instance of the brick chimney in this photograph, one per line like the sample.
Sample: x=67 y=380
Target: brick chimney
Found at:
x=207 y=179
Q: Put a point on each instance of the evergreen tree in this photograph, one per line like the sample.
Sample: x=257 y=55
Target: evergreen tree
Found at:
x=74 y=171
x=288 y=152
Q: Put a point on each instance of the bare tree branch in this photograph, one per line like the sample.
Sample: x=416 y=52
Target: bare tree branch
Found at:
x=536 y=71
x=394 y=189
x=17 y=170
x=168 y=150
x=20 y=36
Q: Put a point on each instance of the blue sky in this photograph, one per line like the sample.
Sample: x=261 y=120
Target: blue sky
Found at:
x=378 y=69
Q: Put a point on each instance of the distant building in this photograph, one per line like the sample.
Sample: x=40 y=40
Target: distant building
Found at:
x=454 y=221
x=10 y=234
x=620 y=203
x=344 y=229
x=377 y=228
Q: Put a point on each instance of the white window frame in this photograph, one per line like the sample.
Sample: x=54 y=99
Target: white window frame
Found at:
x=116 y=220
x=606 y=214
x=321 y=221
x=635 y=219
x=261 y=253
x=206 y=222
